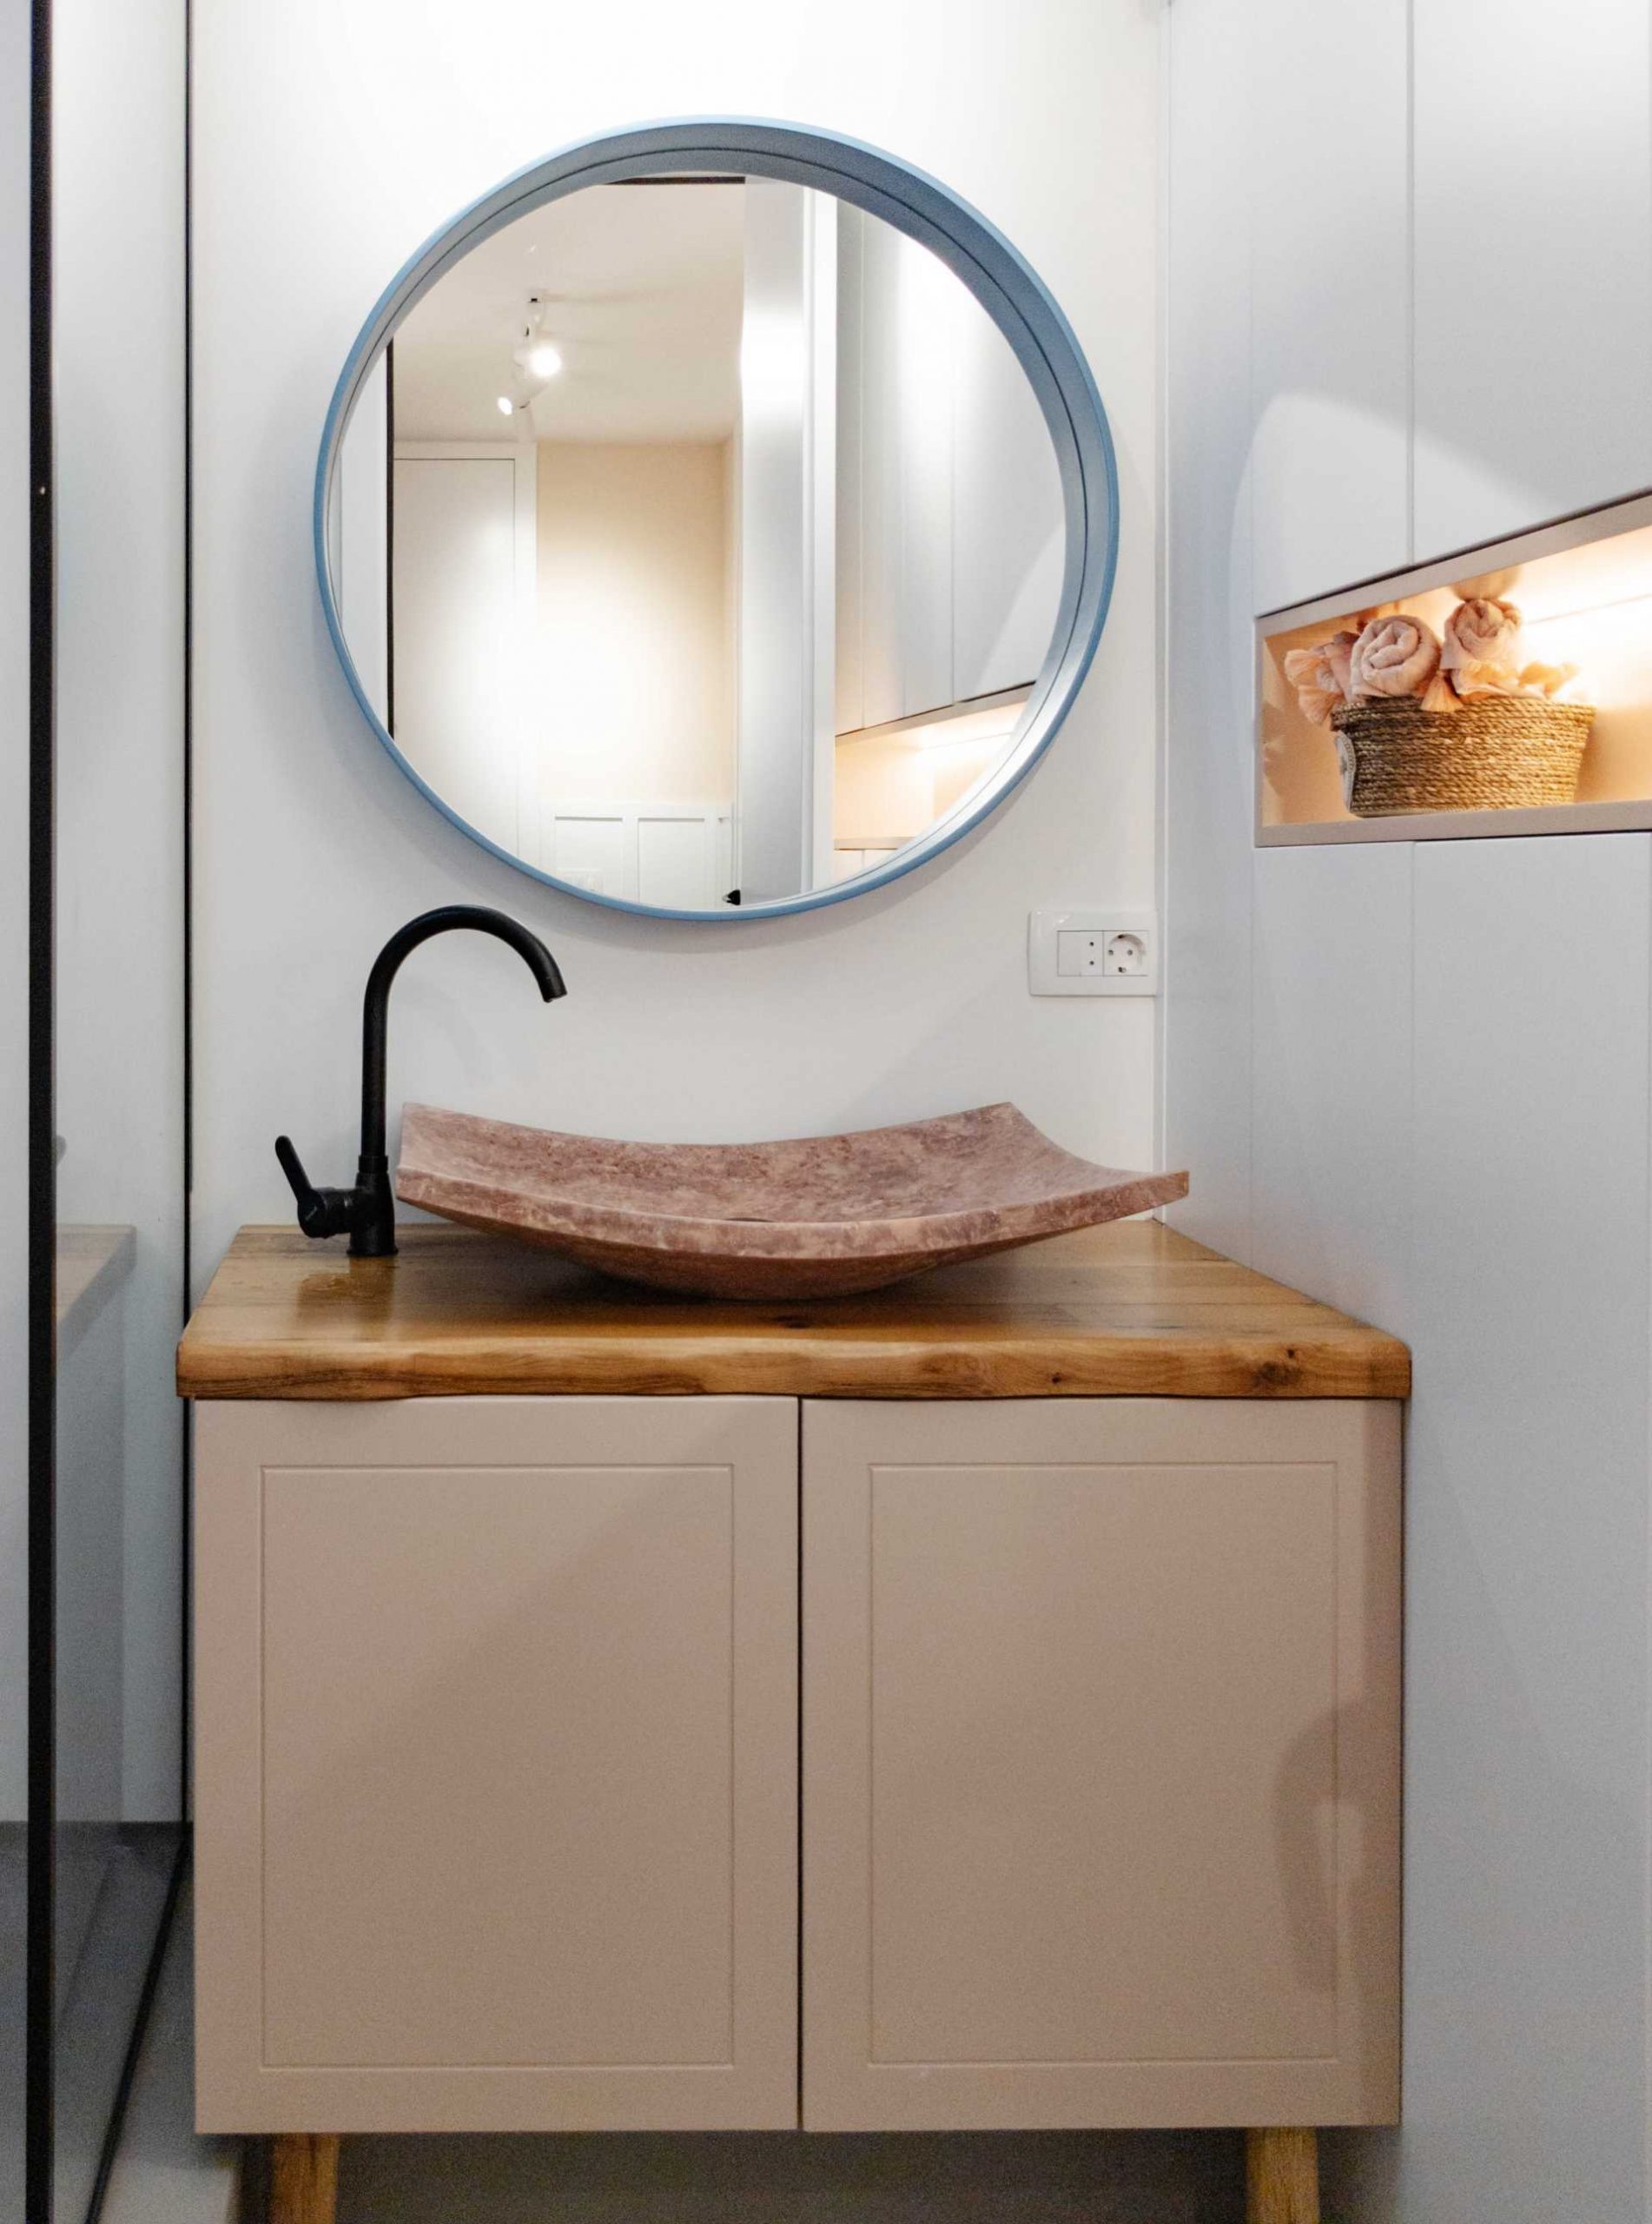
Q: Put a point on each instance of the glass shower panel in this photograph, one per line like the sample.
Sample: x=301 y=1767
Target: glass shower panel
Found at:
x=15 y=216
x=117 y=135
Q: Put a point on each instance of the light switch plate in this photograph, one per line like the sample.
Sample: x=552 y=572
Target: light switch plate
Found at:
x=1093 y=951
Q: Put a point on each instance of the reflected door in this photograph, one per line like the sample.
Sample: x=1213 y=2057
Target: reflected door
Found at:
x=455 y=605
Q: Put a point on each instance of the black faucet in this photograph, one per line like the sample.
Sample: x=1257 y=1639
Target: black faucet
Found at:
x=369 y=1211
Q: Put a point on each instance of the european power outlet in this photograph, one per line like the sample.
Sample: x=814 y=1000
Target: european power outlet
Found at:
x=1094 y=952
x=1124 y=954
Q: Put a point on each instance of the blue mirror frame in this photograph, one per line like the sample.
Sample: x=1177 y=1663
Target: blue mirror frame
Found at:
x=1001 y=280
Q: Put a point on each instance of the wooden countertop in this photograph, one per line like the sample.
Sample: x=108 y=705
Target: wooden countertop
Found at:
x=1131 y=1310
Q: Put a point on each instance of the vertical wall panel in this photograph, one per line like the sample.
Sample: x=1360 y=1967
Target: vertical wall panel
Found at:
x=847 y=682
x=1444 y=1055
x=927 y=319
x=1331 y=1154
x=1526 y=1796
x=1208 y=776
x=1008 y=540
x=1331 y=275
x=1534 y=262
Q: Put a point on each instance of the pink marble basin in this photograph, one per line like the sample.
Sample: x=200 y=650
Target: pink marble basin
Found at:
x=824 y=1217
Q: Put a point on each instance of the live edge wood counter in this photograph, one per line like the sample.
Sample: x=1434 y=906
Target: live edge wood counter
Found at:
x=1134 y=1310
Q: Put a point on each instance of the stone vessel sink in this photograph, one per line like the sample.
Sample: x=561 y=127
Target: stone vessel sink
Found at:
x=820 y=1217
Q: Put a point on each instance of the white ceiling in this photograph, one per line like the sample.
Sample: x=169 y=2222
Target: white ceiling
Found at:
x=644 y=287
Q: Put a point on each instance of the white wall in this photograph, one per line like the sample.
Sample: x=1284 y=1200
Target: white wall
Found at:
x=328 y=141
x=14 y=939
x=1398 y=1079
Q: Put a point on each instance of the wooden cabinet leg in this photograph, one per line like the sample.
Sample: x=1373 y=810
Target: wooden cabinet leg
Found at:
x=303 y=2178
x=1281 y=2177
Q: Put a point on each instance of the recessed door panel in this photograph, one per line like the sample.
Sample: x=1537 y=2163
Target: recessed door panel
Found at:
x=497 y=1798
x=1100 y=1747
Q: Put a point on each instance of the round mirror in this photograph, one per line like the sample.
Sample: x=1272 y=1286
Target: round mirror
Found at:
x=716 y=517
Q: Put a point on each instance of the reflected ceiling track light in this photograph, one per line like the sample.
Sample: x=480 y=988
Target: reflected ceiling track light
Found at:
x=535 y=353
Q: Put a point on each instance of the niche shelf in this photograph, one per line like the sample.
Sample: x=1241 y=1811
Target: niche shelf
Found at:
x=1584 y=587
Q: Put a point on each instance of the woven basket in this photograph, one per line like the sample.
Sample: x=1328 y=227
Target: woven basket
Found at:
x=1494 y=752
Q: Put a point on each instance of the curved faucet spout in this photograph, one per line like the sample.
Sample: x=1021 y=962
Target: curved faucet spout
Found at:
x=369 y=1211
x=375 y=1004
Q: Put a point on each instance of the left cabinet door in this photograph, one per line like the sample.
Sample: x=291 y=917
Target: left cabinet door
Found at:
x=496 y=1764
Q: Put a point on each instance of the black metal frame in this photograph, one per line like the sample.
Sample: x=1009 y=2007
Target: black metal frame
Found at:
x=38 y=2140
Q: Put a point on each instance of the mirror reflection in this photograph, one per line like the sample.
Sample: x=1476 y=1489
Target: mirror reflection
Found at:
x=699 y=539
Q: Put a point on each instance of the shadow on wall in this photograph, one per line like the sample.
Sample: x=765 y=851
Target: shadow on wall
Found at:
x=1045 y=2177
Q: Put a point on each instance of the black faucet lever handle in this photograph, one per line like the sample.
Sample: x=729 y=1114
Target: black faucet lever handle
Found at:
x=320 y=1212
x=292 y=1167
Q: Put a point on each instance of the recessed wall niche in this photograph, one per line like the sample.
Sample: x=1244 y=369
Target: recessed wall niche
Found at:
x=1583 y=589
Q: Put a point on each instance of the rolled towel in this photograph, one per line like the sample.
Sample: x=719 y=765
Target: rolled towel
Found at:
x=1481 y=650
x=1320 y=676
x=1395 y=655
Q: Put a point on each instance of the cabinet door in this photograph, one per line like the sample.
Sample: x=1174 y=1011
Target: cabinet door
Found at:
x=495 y=1769
x=1100 y=1763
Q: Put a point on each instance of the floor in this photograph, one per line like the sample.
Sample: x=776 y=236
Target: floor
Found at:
x=14 y=1902
x=111 y=1888
x=798 y=2178
x=165 y=2175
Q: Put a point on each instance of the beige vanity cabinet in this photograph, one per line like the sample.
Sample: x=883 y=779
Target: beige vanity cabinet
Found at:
x=1100 y=1751
x=530 y=1714
x=496 y=1749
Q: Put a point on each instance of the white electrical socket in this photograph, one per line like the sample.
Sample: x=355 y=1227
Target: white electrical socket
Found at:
x=1095 y=951
x=1124 y=954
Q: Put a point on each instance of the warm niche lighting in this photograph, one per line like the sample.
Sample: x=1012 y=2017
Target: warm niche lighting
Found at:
x=1584 y=592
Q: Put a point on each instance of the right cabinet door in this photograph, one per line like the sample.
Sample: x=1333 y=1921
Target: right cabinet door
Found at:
x=1101 y=1763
